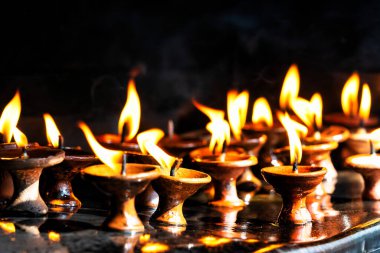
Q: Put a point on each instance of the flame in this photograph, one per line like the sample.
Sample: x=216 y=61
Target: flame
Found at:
x=290 y=87
x=300 y=129
x=52 y=131
x=9 y=117
x=109 y=157
x=154 y=247
x=131 y=112
x=53 y=236
x=365 y=103
x=349 y=98
x=152 y=135
x=20 y=138
x=166 y=161
x=212 y=241
x=317 y=107
x=262 y=112
x=237 y=107
x=218 y=127
x=7 y=227
x=294 y=140
x=144 y=238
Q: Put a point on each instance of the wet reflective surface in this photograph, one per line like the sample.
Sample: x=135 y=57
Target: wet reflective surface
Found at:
x=356 y=227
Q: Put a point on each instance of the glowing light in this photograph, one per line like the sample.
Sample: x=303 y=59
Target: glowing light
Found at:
x=144 y=238
x=154 y=247
x=131 y=112
x=310 y=112
x=365 y=103
x=317 y=107
x=166 y=161
x=53 y=236
x=52 y=131
x=109 y=157
x=7 y=227
x=20 y=138
x=262 y=114
x=212 y=241
x=237 y=107
x=290 y=87
x=349 y=97
x=10 y=117
x=153 y=135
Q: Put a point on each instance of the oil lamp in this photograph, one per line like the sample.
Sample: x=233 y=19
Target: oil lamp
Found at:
x=128 y=125
x=224 y=165
x=174 y=186
x=294 y=182
x=353 y=117
x=24 y=163
x=121 y=181
x=58 y=193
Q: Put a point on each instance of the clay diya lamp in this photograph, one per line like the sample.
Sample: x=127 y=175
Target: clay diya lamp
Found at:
x=224 y=170
x=293 y=188
x=173 y=191
x=369 y=167
x=6 y=182
x=357 y=143
x=25 y=166
x=122 y=190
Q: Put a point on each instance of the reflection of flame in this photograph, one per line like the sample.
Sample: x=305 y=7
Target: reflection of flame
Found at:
x=290 y=87
x=269 y=248
x=144 y=238
x=166 y=161
x=131 y=112
x=218 y=127
x=7 y=227
x=212 y=241
x=9 y=117
x=237 y=106
x=152 y=135
x=52 y=132
x=349 y=98
x=262 y=112
x=154 y=247
x=53 y=236
x=20 y=138
x=107 y=156
x=365 y=103
x=294 y=141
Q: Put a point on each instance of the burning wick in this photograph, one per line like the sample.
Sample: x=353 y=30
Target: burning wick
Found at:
x=124 y=164
x=372 y=149
x=361 y=123
x=295 y=165
x=171 y=129
x=123 y=132
x=177 y=163
x=60 y=142
x=24 y=154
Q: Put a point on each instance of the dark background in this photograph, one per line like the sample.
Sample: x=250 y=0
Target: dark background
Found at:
x=73 y=60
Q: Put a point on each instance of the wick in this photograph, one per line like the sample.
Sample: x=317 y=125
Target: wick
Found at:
x=123 y=132
x=171 y=129
x=295 y=165
x=60 y=142
x=124 y=164
x=361 y=123
x=372 y=149
x=24 y=154
x=175 y=166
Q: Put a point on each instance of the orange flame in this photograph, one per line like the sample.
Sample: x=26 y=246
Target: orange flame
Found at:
x=152 y=135
x=20 y=138
x=109 y=157
x=52 y=131
x=166 y=161
x=294 y=140
x=290 y=87
x=310 y=112
x=237 y=107
x=262 y=112
x=131 y=112
x=154 y=247
x=10 y=117
x=53 y=236
x=365 y=103
x=349 y=98
x=316 y=103
x=218 y=127
x=212 y=241
x=7 y=227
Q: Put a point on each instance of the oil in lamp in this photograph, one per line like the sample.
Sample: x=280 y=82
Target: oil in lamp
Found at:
x=353 y=117
x=59 y=193
x=121 y=181
x=368 y=165
x=294 y=182
x=25 y=164
x=224 y=165
x=128 y=125
x=174 y=186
